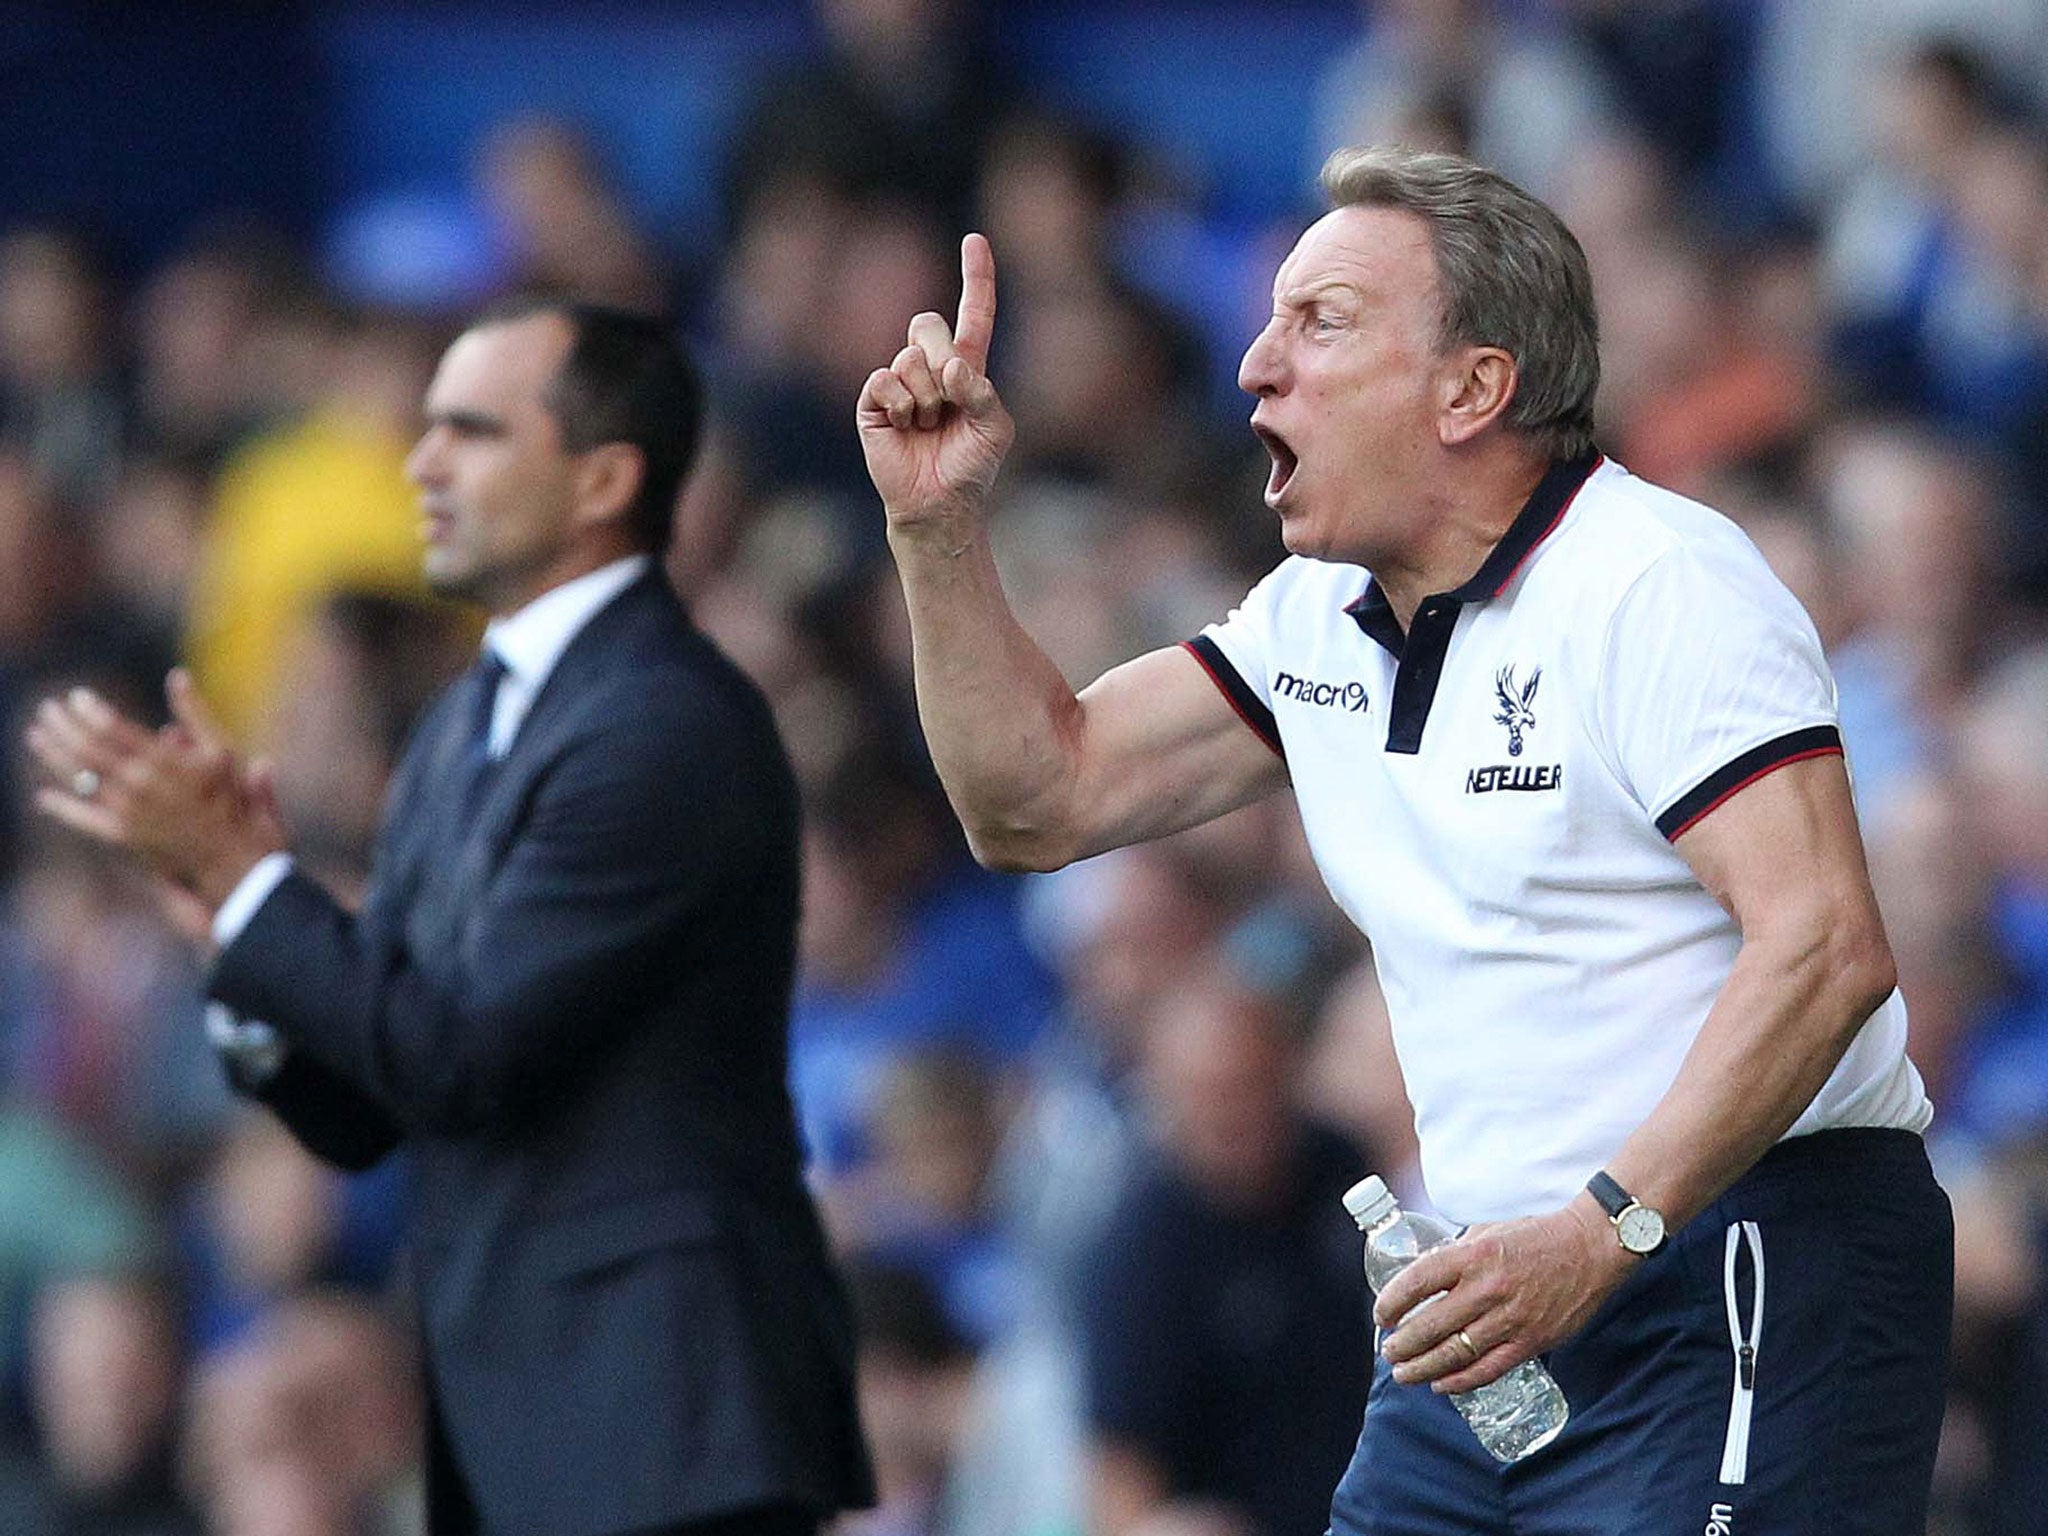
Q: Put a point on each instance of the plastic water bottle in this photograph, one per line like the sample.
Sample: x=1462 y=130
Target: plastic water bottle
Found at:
x=1514 y=1416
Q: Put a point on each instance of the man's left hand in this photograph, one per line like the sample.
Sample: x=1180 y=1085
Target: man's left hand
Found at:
x=1503 y=1293
x=175 y=798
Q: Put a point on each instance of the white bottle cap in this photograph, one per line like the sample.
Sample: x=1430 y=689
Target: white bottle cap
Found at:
x=1369 y=1200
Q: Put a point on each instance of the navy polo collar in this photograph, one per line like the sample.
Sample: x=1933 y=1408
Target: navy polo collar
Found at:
x=1420 y=654
x=1539 y=517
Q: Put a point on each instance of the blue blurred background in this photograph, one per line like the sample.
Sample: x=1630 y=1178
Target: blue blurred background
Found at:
x=1078 y=1138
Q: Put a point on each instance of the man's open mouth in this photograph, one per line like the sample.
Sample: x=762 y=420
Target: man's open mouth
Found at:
x=1284 y=460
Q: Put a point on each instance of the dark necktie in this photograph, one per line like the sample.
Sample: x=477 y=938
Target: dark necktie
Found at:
x=478 y=765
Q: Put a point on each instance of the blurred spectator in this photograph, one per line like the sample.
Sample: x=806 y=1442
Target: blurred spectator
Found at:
x=1106 y=385
x=937 y=1123
x=64 y=1216
x=58 y=400
x=52 y=619
x=101 y=1013
x=711 y=516
x=107 y=1367
x=1795 y=539
x=1283 y=937
x=965 y=1443
x=363 y=667
x=1502 y=84
x=317 y=505
x=1709 y=358
x=42 y=593
x=2002 y=1095
x=1924 y=114
x=267 y=1220
x=565 y=226
x=1817 y=61
x=1934 y=254
x=1711 y=367
x=1994 y=1466
x=898 y=104
x=1987 y=322
x=1682 y=70
x=309 y=1428
x=809 y=333
x=149 y=531
x=1056 y=545
x=1227 y=1342
x=1993 y=1469
x=1050 y=189
x=916 y=1390
x=2029 y=523
x=1121 y=931
x=196 y=322
x=1934 y=884
x=905 y=945
x=774 y=289
x=1910 y=517
x=1352 y=1080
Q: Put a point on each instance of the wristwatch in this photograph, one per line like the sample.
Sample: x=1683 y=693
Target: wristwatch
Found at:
x=1639 y=1227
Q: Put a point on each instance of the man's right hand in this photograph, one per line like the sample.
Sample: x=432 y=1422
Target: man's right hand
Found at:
x=931 y=424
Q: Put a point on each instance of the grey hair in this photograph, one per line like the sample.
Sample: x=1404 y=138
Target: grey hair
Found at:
x=1510 y=275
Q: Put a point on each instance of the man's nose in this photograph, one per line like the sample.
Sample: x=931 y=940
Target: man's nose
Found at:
x=1260 y=371
x=423 y=464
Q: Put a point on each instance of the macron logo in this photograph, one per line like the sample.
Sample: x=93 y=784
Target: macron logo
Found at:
x=1304 y=690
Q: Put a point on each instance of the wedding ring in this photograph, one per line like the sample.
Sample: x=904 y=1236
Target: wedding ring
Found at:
x=85 y=784
x=1471 y=1349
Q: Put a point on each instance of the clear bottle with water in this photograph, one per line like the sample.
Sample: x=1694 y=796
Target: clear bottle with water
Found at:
x=1514 y=1416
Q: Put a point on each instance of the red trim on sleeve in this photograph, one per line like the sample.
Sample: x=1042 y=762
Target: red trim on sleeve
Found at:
x=1735 y=789
x=1223 y=686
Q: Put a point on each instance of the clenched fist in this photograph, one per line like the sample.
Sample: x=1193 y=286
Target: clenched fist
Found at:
x=931 y=424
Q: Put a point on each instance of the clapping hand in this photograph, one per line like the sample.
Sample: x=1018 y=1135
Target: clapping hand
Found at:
x=931 y=424
x=175 y=798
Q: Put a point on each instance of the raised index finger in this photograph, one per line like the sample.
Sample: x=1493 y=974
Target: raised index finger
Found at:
x=977 y=320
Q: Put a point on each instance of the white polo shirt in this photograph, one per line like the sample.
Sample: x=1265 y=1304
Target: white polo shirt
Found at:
x=1492 y=799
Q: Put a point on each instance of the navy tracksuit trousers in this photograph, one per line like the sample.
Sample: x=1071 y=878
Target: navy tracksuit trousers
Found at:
x=1776 y=1371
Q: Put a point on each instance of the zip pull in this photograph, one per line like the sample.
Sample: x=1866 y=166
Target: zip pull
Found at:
x=1743 y=1339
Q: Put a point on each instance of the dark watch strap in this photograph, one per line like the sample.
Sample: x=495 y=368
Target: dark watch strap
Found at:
x=1612 y=1197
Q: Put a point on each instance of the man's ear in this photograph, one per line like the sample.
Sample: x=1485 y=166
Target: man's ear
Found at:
x=1479 y=386
x=608 y=477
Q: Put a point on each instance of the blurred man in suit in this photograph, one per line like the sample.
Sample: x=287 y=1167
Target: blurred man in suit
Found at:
x=566 y=991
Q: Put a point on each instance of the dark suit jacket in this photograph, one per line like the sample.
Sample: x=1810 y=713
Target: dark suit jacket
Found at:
x=572 y=1008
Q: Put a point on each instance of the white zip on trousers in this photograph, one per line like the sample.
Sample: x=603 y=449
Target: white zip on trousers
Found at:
x=1735 y=1452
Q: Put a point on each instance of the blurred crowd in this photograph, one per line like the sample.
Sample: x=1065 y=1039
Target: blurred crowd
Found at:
x=1080 y=1137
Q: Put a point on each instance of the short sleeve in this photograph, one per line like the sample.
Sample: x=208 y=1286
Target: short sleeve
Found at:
x=1235 y=654
x=1712 y=677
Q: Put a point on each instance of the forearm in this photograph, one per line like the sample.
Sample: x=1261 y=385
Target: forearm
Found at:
x=1788 y=1010
x=1792 y=1004
x=1001 y=722
x=1037 y=775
